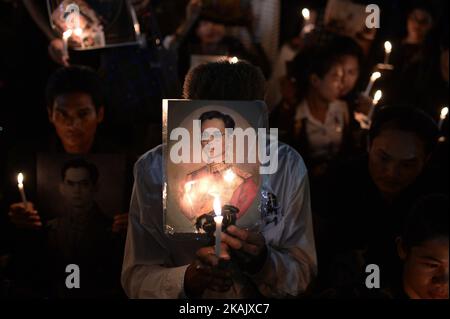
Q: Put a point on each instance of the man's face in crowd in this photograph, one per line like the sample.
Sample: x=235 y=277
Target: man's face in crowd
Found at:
x=425 y=272
x=351 y=73
x=215 y=138
x=210 y=32
x=75 y=119
x=330 y=86
x=419 y=23
x=78 y=188
x=396 y=159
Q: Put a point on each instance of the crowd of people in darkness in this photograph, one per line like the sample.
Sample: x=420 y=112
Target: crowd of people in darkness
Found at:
x=363 y=161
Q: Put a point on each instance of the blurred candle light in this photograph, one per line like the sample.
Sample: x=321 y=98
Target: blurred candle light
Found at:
x=20 y=179
x=308 y=25
x=387 y=51
x=234 y=60
x=78 y=32
x=375 y=76
x=218 y=218
x=306 y=14
x=442 y=117
x=377 y=97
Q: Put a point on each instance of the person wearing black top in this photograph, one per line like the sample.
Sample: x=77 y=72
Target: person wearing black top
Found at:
x=75 y=105
x=368 y=198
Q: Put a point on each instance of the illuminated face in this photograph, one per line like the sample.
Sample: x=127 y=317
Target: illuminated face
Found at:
x=77 y=188
x=216 y=142
x=329 y=87
x=425 y=273
x=351 y=73
x=75 y=119
x=418 y=24
x=396 y=159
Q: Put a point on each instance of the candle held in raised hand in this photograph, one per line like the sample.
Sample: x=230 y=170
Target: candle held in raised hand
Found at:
x=375 y=76
x=20 y=179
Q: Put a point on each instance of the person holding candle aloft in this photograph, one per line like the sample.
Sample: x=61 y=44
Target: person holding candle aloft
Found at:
x=75 y=108
x=410 y=49
x=279 y=261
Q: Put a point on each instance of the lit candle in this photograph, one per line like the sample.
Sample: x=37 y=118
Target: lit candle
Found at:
x=66 y=35
x=442 y=117
x=306 y=15
x=234 y=60
x=218 y=219
x=387 y=51
x=375 y=76
x=21 y=189
x=308 y=26
x=376 y=99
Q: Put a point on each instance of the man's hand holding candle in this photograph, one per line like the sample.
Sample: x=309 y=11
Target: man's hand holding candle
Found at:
x=25 y=217
x=250 y=247
x=205 y=273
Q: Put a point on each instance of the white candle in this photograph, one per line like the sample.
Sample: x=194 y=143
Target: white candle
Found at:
x=387 y=51
x=376 y=99
x=375 y=76
x=21 y=189
x=66 y=35
x=442 y=117
x=218 y=219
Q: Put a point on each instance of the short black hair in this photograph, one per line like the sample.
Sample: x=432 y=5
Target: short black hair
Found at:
x=342 y=46
x=423 y=5
x=318 y=60
x=427 y=220
x=81 y=163
x=227 y=120
x=408 y=119
x=75 y=79
x=224 y=80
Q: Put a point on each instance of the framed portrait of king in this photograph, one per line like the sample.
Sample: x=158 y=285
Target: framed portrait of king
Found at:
x=211 y=157
x=95 y=24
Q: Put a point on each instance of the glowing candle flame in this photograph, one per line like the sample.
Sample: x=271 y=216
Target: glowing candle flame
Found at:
x=78 y=32
x=217 y=206
x=20 y=179
x=375 y=76
x=234 y=60
x=377 y=96
x=444 y=113
x=387 y=47
x=306 y=14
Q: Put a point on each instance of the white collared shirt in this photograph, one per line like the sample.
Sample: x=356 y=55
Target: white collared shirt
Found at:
x=325 y=138
x=154 y=264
